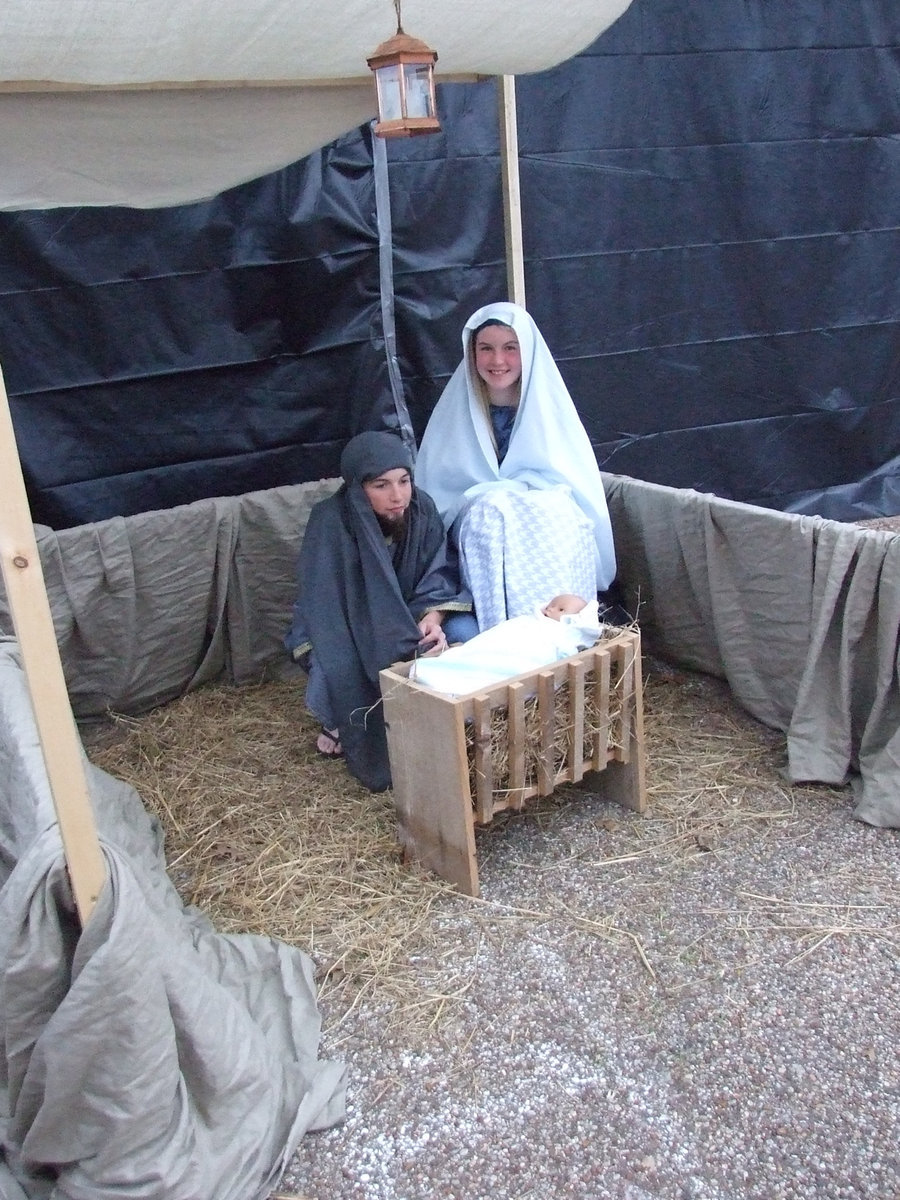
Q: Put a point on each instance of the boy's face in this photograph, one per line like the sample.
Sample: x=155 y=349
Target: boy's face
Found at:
x=563 y=605
x=390 y=494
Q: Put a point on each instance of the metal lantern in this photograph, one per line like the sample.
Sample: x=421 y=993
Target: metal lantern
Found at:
x=404 y=83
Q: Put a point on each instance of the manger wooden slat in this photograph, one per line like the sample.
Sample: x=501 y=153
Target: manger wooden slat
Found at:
x=601 y=706
x=546 y=694
x=625 y=691
x=577 y=673
x=483 y=761
x=516 y=710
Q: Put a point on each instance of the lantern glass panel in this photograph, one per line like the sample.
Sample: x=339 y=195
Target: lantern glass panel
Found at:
x=419 y=101
x=390 y=93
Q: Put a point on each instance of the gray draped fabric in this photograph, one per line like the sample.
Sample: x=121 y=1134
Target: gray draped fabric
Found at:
x=149 y=606
x=847 y=713
x=799 y=614
x=149 y=1056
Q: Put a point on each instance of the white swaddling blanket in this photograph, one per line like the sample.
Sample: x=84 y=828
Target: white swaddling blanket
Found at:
x=510 y=648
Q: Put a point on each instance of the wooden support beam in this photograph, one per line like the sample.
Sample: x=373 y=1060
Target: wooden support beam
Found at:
x=23 y=577
x=14 y=86
x=512 y=204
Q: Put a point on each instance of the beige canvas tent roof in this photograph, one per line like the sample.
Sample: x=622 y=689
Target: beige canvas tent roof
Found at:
x=159 y=102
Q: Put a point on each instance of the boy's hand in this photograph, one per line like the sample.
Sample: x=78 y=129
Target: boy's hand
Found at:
x=433 y=640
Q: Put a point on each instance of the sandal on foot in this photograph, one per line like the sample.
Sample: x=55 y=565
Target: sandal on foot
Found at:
x=328 y=743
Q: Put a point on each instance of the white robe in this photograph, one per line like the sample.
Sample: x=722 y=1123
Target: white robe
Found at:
x=519 y=548
x=548 y=450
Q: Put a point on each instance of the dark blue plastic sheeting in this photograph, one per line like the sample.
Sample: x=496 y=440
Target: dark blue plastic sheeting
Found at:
x=157 y=357
x=711 y=248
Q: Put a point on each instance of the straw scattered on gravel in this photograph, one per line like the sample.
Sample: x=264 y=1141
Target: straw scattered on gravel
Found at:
x=268 y=837
x=699 y=1003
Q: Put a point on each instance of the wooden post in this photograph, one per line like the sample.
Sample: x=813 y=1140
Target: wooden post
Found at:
x=23 y=577
x=512 y=204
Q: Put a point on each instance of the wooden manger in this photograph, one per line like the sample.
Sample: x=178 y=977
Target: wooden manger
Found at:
x=457 y=761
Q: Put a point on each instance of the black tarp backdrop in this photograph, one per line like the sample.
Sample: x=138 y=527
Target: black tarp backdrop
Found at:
x=157 y=357
x=711 y=249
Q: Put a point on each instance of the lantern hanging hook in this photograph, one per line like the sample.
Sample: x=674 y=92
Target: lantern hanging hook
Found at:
x=399 y=19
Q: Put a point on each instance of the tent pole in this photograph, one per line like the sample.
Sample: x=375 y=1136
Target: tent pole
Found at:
x=512 y=207
x=26 y=592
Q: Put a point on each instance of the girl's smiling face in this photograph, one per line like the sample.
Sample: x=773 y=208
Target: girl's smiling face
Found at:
x=498 y=362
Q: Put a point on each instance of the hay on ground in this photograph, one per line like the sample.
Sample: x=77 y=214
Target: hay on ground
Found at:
x=267 y=837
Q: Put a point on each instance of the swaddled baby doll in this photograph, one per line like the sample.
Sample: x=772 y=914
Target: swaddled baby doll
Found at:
x=565 y=605
x=561 y=627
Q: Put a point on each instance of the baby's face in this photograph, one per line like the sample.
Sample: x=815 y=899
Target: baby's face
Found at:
x=562 y=605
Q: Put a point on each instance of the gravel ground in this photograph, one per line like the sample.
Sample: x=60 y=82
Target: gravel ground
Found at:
x=638 y=1007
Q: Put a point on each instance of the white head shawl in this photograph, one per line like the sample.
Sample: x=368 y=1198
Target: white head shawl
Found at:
x=548 y=446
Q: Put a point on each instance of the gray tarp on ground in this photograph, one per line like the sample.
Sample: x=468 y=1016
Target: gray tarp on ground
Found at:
x=800 y=615
x=150 y=1056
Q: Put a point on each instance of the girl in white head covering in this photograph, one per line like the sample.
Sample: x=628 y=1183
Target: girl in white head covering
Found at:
x=509 y=464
